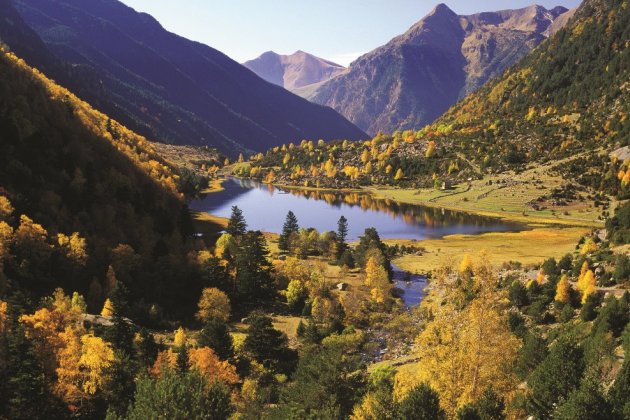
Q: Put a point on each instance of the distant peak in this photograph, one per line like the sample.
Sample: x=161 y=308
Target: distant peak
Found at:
x=442 y=9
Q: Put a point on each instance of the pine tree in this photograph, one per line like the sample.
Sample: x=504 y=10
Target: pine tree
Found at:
x=215 y=335
x=237 y=225
x=421 y=403
x=555 y=378
x=290 y=226
x=266 y=344
x=121 y=334
x=342 y=234
x=173 y=396
x=253 y=269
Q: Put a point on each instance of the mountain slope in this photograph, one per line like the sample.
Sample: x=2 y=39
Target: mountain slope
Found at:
x=72 y=169
x=293 y=71
x=417 y=76
x=565 y=106
x=174 y=89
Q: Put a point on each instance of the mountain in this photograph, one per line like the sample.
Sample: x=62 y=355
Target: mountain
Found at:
x=172 y=89
x=417 y=76
x=564 y=106
x=293 y=71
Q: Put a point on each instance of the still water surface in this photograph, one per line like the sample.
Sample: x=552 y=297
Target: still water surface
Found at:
x=265 y=208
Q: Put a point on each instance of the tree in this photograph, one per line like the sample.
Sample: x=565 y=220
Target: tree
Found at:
x=399 y=175
x=253 y=269
x=555 y=377
x=266 y=344
x=467 y=346
x=173 y=396
x=368 y=244
x=328 y=382
x=290 y=227
x=213 y=369
x=489 y=407
x=180 y=337
x=585 y=403
x=213 y=304
x=215 y=335
x=563 y=290
x=377 y=280
x=224 y=245
x=121 y=334
x=620 y=390
x=236 y=225
x=296 y=295
x=421 y=403
x=342 y=234
x=108 y=308
x=24 y=389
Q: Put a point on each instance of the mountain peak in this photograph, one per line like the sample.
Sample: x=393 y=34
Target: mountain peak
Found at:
x=441 y=9
x=295 y=70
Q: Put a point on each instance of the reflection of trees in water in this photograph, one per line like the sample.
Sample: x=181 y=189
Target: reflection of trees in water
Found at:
x=409 y=213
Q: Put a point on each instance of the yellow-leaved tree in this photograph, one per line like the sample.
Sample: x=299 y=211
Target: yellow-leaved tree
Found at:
x=377 y=280
x=563 y=290
x=180 y=337
x=467 y=346
x=108 y=308
x=213 y=304
x=204 y=360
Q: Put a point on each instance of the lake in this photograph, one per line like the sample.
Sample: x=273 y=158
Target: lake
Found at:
x=265 y=208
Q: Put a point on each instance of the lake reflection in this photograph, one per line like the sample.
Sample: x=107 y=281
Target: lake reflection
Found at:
x=265 y=208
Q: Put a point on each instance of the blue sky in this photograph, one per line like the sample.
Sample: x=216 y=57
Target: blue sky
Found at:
x=338 y=30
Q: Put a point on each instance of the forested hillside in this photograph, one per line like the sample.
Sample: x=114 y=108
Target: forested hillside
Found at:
x=172 y=89
x=70 y=172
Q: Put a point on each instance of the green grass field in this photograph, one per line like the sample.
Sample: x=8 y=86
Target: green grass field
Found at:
x=505 y=196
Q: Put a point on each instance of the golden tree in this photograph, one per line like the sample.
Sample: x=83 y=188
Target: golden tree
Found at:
x=588 y=247
x=211 y=367
x=587 y=284
x=377 y=280
x=180 y=337
x=74 y=246
x=399 y=175
x=165 y=360
x=463 y=350
x=96 y=356
x=108 y=308
x=31 y=240
x=6 y=209
x=563 y=290
x=44 y=326
x=213 y=304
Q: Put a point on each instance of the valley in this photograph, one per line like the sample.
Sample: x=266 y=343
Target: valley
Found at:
x=184 y=237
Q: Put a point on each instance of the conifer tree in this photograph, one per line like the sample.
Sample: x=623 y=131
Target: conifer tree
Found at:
x=290 y=226
x=342 y=234
x=237 y=225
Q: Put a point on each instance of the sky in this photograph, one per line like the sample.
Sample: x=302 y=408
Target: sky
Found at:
x=337 y=30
